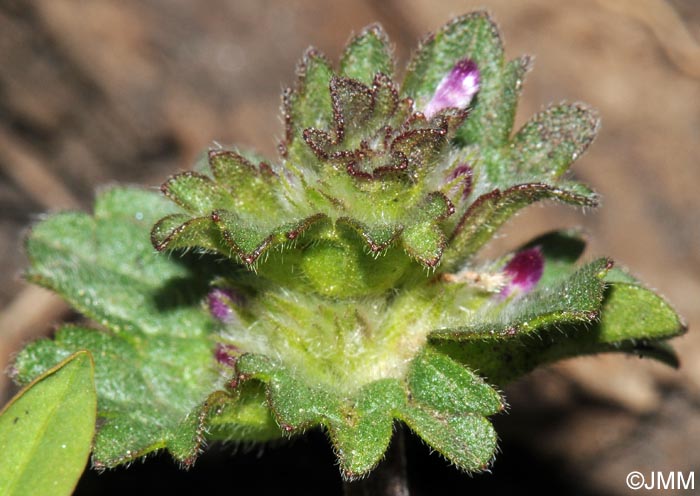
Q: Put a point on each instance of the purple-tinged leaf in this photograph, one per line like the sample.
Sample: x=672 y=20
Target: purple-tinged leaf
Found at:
x=352 y=103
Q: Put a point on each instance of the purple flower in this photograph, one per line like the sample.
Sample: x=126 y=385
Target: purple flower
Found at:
x=523 y=271
x=463 y=171
x=222 y=303
x=456 y=89
x=226 y=354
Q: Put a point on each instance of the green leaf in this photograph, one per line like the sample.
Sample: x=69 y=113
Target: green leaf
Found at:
x=552 y=140
x=440 y=383
x=353 y=104
x=246 y=240
x=295 y=405
x=181 y=231
x=468 y=440
x=490 y=211
x=196 y=193
x=360 y=428
x=420 y=148
x=499 y=107
x=250 y=187
x=106 y=267
x=154 y=364
x=386 y=103
x=146 y=389
x=448 y=408
x=307 y=105
x=424 y=242
x=249 y=241
x=473 y=36
x=360 y=425
x=46 y=430
x=378 y=237
x=633 y=312
x=422 y=237
x=242 y=414
x=366 y=431
x=575 y=299
x=632 y=320
x=367 y=54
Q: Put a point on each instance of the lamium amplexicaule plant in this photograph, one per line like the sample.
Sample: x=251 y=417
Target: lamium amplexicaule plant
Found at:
x=336 y=287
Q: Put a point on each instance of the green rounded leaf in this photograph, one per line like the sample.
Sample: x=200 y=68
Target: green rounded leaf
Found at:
x=46 y=430
x=468 y=441
x=441 y=383
x=196 y=193
x=633 y=312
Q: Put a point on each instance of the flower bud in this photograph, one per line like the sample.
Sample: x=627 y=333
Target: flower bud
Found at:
x=465 y=174
x=222 y=303
x=523 y=271
x=226 y=354
x=456 y=89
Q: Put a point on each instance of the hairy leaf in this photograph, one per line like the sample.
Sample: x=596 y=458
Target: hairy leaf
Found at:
x=196 y=193
x=440 y=383
x=307 y=105
x=575 y=299
x=632 y=320
x=154 y=364
x=472 y=36
x=499 y=107
x=360 y=426
x=467 y=440
x=492 y=210
x=553 y=139
x=367 y=54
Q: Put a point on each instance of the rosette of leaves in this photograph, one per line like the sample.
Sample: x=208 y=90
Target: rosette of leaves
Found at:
x=337 y=287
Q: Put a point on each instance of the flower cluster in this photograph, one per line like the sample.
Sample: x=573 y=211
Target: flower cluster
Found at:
x=337 y=287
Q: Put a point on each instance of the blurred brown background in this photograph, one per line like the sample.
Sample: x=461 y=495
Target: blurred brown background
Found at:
x=99 y=91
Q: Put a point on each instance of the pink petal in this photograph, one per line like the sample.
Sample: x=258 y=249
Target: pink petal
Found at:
x=456 y=89
x=226 y=354
x=465 y=172
x=524 y=271
x=222 y=303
